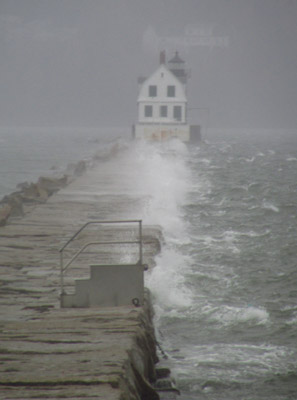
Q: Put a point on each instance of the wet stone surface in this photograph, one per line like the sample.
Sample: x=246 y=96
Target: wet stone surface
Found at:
x=50 y=353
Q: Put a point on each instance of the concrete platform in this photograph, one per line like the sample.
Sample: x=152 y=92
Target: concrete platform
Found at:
x=81 y=353
x=50 y=353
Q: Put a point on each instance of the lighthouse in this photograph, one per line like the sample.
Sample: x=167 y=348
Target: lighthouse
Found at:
x=162 y=102
x=177 y=66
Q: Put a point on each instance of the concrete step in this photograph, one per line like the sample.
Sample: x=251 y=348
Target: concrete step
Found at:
x=108 y=286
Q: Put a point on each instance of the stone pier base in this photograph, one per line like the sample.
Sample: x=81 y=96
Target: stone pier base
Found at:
x=77 y=353
x=80 y=353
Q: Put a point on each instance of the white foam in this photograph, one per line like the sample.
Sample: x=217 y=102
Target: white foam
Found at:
x=293 y=319
x=162 y=177
x=254 y=314
x=166 y=280
x=291 y=159
x=240 y=361
x=256 y=234
x=226 y=240
x=228 y=315
x=269 y=206
x=249 y=160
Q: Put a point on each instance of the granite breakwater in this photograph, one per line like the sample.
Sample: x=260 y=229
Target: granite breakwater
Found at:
x=49 y=352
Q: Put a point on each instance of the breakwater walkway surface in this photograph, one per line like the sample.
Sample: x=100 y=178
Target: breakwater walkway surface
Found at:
x=49 y=352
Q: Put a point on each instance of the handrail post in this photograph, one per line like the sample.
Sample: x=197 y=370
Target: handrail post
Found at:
x=64 y=268
x=140 y=241
x=61 y=272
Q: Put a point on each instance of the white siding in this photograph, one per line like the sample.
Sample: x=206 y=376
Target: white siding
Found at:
x=162 y=78
x=156 y=113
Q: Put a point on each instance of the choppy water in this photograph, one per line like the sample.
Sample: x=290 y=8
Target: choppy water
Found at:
x=228 y=322
x=225 y=284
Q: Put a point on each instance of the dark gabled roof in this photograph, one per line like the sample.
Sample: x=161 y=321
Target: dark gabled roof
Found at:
x=176 y=59
x=141 y=79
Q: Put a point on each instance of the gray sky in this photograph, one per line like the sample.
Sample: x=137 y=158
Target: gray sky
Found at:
x=76 y=62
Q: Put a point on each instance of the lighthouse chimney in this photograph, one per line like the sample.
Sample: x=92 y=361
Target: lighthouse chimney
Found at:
x=162 y=57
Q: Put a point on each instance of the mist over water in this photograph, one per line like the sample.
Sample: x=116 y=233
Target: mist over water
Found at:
x=26 y=153
x=224 y=285
x=76 y=63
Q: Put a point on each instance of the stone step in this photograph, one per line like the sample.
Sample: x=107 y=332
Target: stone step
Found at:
x=108 y=286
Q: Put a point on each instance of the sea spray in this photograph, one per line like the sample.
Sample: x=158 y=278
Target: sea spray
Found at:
x=225 y=282
x=163 y=178
x=224 y=287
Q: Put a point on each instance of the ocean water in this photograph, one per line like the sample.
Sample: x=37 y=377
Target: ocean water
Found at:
x=225 y=284
x=26 y=153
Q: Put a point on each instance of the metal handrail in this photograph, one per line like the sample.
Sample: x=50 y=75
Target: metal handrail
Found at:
x=64 y=268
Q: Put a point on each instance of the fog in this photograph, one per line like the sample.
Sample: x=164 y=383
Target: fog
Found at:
x=76 y=63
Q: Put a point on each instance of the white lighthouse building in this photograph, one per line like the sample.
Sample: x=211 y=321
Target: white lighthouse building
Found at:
x=162 y=103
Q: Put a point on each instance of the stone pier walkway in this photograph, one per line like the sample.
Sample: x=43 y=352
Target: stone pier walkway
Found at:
x=52 y=353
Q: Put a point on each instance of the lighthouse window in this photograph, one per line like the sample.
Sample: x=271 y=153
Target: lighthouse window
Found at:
x=152 y=91
x=170 y=91
x=177 y=113
x=163 y=111
x=148 y=111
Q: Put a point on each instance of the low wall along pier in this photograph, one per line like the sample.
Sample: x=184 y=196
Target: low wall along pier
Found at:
x=89 y=350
